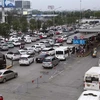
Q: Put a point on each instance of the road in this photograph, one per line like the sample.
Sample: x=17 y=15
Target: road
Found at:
x=64 y=82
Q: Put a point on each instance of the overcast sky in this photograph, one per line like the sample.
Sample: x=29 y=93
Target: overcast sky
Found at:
x=65 y=4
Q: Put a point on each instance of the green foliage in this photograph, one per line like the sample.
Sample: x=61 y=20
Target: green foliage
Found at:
x=32 y=24
x=4 y=29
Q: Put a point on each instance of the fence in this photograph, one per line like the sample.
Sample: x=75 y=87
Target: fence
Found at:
x=45 y=77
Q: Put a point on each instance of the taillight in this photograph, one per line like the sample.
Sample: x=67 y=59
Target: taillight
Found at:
x=84 y=84
x=99 y=85
x=1 y=98
x=0 y=76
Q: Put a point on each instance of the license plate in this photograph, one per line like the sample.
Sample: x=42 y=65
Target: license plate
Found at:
x=88 y=84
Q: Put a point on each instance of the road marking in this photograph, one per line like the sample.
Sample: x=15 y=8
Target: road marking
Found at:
x=59 y=72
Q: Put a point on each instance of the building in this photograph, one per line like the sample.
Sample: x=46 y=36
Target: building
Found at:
x=22 y=4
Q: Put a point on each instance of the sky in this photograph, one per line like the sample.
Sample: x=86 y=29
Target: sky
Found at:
x=65 y=4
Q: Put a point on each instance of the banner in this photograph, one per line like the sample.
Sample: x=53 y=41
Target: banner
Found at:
x=9 y=3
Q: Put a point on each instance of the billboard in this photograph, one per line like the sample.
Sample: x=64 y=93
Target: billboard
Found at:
x=9 y=3
x=22 y=4
x=18 y=4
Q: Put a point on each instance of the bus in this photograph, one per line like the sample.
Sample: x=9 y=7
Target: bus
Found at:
x=92 y=79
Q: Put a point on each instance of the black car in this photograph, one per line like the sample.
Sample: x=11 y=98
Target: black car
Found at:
x=41 y=57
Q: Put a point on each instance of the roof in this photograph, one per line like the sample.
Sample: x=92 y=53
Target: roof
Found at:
x=25 y=55
x=46 y=48
x=3 y=70
x=49 y=57
x=93 y=70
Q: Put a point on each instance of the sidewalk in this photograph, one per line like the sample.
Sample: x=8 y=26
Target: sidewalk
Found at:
x=89 y=51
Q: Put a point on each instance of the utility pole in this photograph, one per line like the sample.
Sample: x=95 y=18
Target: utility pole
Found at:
x=3 y=12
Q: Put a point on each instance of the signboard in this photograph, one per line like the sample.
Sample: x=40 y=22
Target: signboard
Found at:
x=82 y=37
x=9 y=3
x=75 y=37
x=78 y=41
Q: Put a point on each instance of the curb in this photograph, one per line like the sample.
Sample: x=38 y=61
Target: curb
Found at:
x=8 y=67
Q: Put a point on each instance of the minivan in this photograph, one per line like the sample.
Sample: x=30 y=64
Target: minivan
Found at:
x=50 y=62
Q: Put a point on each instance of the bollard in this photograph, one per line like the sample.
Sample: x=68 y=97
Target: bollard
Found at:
x=37 y=83
x=12 y=61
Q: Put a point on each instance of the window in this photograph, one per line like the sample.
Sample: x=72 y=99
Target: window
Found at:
x=59 y=52
x=66 y=51
x=88 y=79
x=47 y=60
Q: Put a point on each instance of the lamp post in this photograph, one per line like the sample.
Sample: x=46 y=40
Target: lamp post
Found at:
x=54 y=16
x=80 y=10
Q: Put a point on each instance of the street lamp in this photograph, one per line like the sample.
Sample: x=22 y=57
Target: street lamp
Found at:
x=54 y=16
x=80 y=10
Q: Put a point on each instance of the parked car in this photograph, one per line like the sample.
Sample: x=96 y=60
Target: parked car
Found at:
x=37 y=48
x=6 y=74
x=22 y=51
x=1 y=97
x=26 y=59
x=17 y=43
x=49 y=51
x=30 y=50
x=69 y=41
x=13 y=55
x=57 y=45
x=50 y=62
x=40 y=58
x=4 y=47
x=10 y=44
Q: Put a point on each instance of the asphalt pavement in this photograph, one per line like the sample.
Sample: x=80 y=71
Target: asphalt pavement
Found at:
x=64 y=82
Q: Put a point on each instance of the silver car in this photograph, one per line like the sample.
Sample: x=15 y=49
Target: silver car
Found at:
x=6 y=74
x=50 y=62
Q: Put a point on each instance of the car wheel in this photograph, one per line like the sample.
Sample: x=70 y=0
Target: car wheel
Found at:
x=15 y=75
x=4 y=80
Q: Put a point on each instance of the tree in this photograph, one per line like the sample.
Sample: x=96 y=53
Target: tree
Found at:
x=16 y=25
x=4 y=29
x=32 y=24
x=24 y=24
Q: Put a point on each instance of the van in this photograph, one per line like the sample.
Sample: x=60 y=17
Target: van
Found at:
x=50 y=62
x=90 y=95
x=92 y=79
x=2 y=61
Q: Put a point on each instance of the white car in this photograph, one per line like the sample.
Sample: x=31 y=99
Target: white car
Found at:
x=69 y=41
x=26 y=60
x=49 y=51
x=17 y=43
x=13 y=55
x=29 y=50
x=37 y=48
x=42 y=45
x=22 y=52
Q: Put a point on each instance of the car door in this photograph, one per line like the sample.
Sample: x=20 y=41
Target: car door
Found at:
x=8 y=75
x=53 y=61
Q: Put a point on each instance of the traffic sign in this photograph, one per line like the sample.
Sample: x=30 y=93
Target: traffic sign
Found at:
x=81 y=37
x=78 y=41
x=75 y=37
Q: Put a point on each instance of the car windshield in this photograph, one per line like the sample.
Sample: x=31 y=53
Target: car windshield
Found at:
x=44 y=50
x=0 y=73
x=59 y=52
x=23 y=58
x=91 y=79
x=47 y=60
